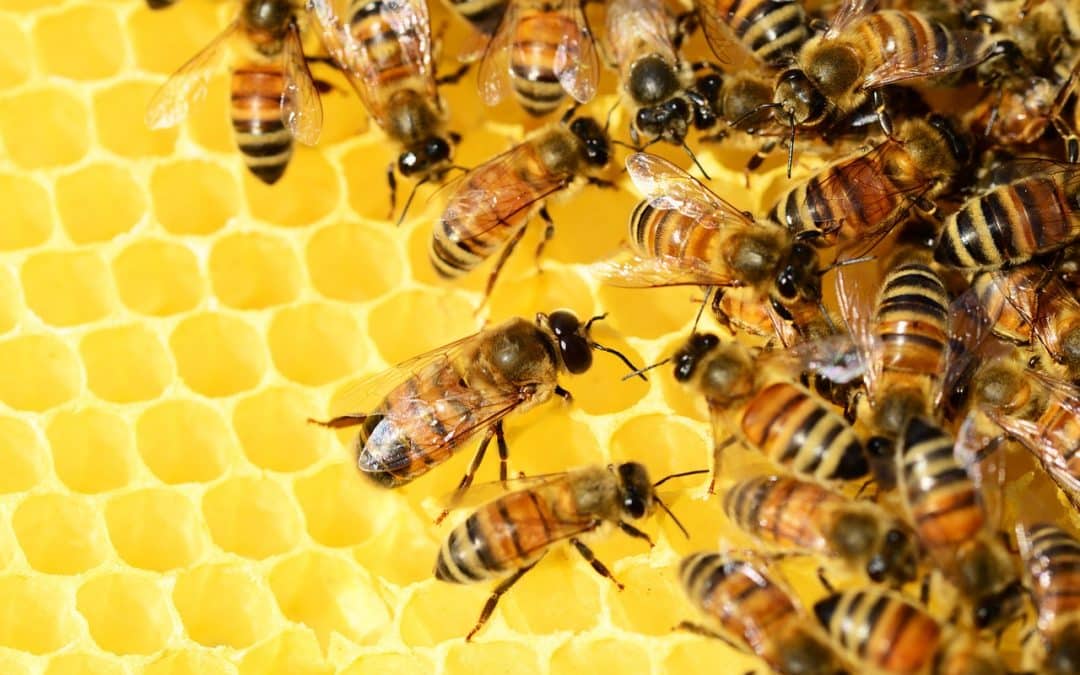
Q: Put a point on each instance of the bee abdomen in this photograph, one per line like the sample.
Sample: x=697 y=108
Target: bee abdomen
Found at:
x=730 y=589
x=455 y=251
x=782 y=510
x=880 y=630
x=772 y=29
x=532 y=61
x=264 y=141
x=466 y=556
x=484 y=15
x=912 y=320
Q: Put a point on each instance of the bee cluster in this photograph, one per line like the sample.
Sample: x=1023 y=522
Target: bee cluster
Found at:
x=898 y=419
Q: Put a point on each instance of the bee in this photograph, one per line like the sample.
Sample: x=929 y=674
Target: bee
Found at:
x=429 y=406
x=683 y=233
x=542 y=50
x=756 y=615
x=952 y=523
x=768 y=31
x=803 y=516
x=491 y=205
x=1052 y=567
x=505 y=538
x=274 y=98
x=1012 y=223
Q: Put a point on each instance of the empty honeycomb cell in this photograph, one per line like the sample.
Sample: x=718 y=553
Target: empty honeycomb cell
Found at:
x=252 y=517
x=119 y=110
x=126 y=363
x=438 y=611
x=443 y=316
x=44 y=127
x=549 y=441
x=60 y=534
x=700 y=656
x=410 y=664
x=81 y=42
x=158 y=278
x=703 y=517
x=81 y=663
x=491 y=657
x=602 y=389
x=364 y=170
x=404 y=551
x=553 y=288
x=208 y=121
x=291 y=653
x=589 y=225
x=218 y=355
x=193 y=196
x=37 y=615
x=653 y=602
x=99 y=201
x=315 y=344
x=329 y=594
x=190 y=660
x=22 y=455
x=126 y=613
x=665 y=445
x=273 y=431
x=9 y=546
x=155 y=529
x=162 y=41
x=309 y=174
x=650 y=313
x=251 y=270
x=553 y=596
x=10 y=300
x=579 y=655
x=183 y=441
x=224 y=605
x=15 y=56
x=354 y=262
x=338 y=504
x=66 y=288
x=28 y=217
x=39 y=372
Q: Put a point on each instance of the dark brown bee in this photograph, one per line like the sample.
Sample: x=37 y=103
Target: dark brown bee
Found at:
x=274 y=98
x=802 y=516
x=1052 y=568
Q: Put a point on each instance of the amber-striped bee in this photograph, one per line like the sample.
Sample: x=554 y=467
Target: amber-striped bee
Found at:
x=274 y=98
x=949 y=516
x=755 y=614
x=505 y=538
x=416 y=415
x=771 y=31
x=542 y=50
x=1052 y=568
x=802 y=516
x=489 y=208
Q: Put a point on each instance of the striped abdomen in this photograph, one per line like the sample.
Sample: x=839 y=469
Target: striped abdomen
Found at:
x=784 y=511
x=484 y=15
x=669 y=233
x=911 y=324
x=772 y=29
x=1005 y=303
x=264 y=141
x=796 y=430
x=880 y=630
x=1010 y=224
x=1052 y=558
x=532 y=58
x=1059 y=427
x=384 y=50
x=941 y=497
x=910 y=41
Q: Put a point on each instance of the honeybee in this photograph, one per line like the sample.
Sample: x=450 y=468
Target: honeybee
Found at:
x=1052 y=567
x=274 y=98
x=542 y=49
x=506 y=537
x=416 y=415
x=805 y=517
x=491 y=205
x=769 y=31
x=1012 y=223
x=683 y=233
x=950 y=518
x=755 y=614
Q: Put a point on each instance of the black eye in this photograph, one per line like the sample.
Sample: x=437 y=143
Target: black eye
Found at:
x=785 y=283
x=437 y=149
x=986 y=614
x=573 y=347
x=409 y=163
x=634 y=506
x=875 y=569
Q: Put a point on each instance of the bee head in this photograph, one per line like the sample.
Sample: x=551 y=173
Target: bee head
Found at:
x=799 y=274
x=896 y=559
x=690 y=354
x=799 y=98
x=668 y=119
x=958 y=142
x=422 y=157
x=636 y=496
x=593 y=139
x=651 y=80
x=267 y=17
x=573 y=343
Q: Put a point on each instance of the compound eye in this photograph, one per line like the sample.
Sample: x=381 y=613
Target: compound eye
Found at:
x=437 y=149
x=634 y=506
x=409 y=163
x=576 y=353
x=785 y=283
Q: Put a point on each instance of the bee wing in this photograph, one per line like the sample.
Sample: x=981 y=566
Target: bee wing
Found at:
x=969 y=326
x=482 y=493
x=411 y=23
x=170 y=104
x=1052 y=451
x=834 y=357
x=856 y=310
x=984 y=462
x=636 y=28
x=629 y=270
x=301 y=108
x=731 y=53
x=576 y=64
x=848 y=12
x=493 y=76
x=969 y=48
x=666 y=186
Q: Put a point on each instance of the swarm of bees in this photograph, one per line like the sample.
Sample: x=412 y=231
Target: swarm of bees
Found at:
x=897 y=338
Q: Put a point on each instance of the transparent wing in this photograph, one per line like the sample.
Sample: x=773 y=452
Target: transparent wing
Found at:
x=482 y=493
x=856 y=311
x=731 y=53
x=834 y=357
x=628 y=270
x=848 y=11
x=1049 y=451
x=981 y=455
x=493 y=76
x=301 y=108
x=666 y=186
x=969 y=327
x=969 y=48
x=411 y=24
x=636 y=28
x=576 y=64
x=171 y=103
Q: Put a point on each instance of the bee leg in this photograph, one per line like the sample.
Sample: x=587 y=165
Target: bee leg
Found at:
x=703 y=631
x=549 y=232
x=567 y=396
x=600 y=183
x=470 y=473
x=759 y=158
x=924 y=590
x=340 y=422
x=391 y=180
x=454 y=77
x=877 y=98
x=590 y=558
x=504 y=451
x=493 y=599
x=1072 y=141
x=503 y=257
x=718 y=449
x=636 y=533
x=824 y=581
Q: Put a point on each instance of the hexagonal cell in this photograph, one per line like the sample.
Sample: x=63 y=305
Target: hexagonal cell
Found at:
x=119 y=110
x=602 y=389
x=223 y=605
x=652 y=603
x=251 y=270
x=554 y=288
x=193 y=196
x=66 y=288
x=404 y=551
x=44 y=128
x=218 y=355
x=354 y=262
x=11 y=308
x=40 y=372
x=192 y=660
x=252 y=517
x=413 y=664
x=548 y=442
x=126 y=364
x=649 y=313
x=315 y=343
x=581 y=236
x=126 y=613
x=329 y=595
x=273 y=432
x=22 y=454
x=158 y=278
x=293 y=652
x=29 y=217
x=163 y=41
x=209 y=123
x=309 y=174
x=664 y=444
x=81 y=43
x=155 y=529
x=491 y=657
x=39 y=614
x=338 y=505
x=364 y=171
x=606 y=655
x=445 y=317
x=15 y=56
x=60 y=534
x=183 y=441
x=81 y=663
x=700 y=656
x=98 y=202
x=553 y=597
x=439 y=611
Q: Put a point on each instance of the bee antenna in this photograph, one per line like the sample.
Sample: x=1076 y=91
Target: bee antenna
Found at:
x=825 y=315
x=628 y=146
x=696 y=162
x=634 y=370
x=639 y=371
x=610 y=112
x=569 y=113
x=701 y=310
x=408 y=202
x=695 y=472
x=761 y=108
x=591 y=321
x=791 y=145
x=836 y=264
x=675 y=520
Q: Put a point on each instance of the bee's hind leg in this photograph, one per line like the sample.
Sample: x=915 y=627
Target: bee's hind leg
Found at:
x=493 y=599
x=470 y=473
x=503 y=257
x=590 y=557
x=504 y=451
x=341 y=421
x=549 y=232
